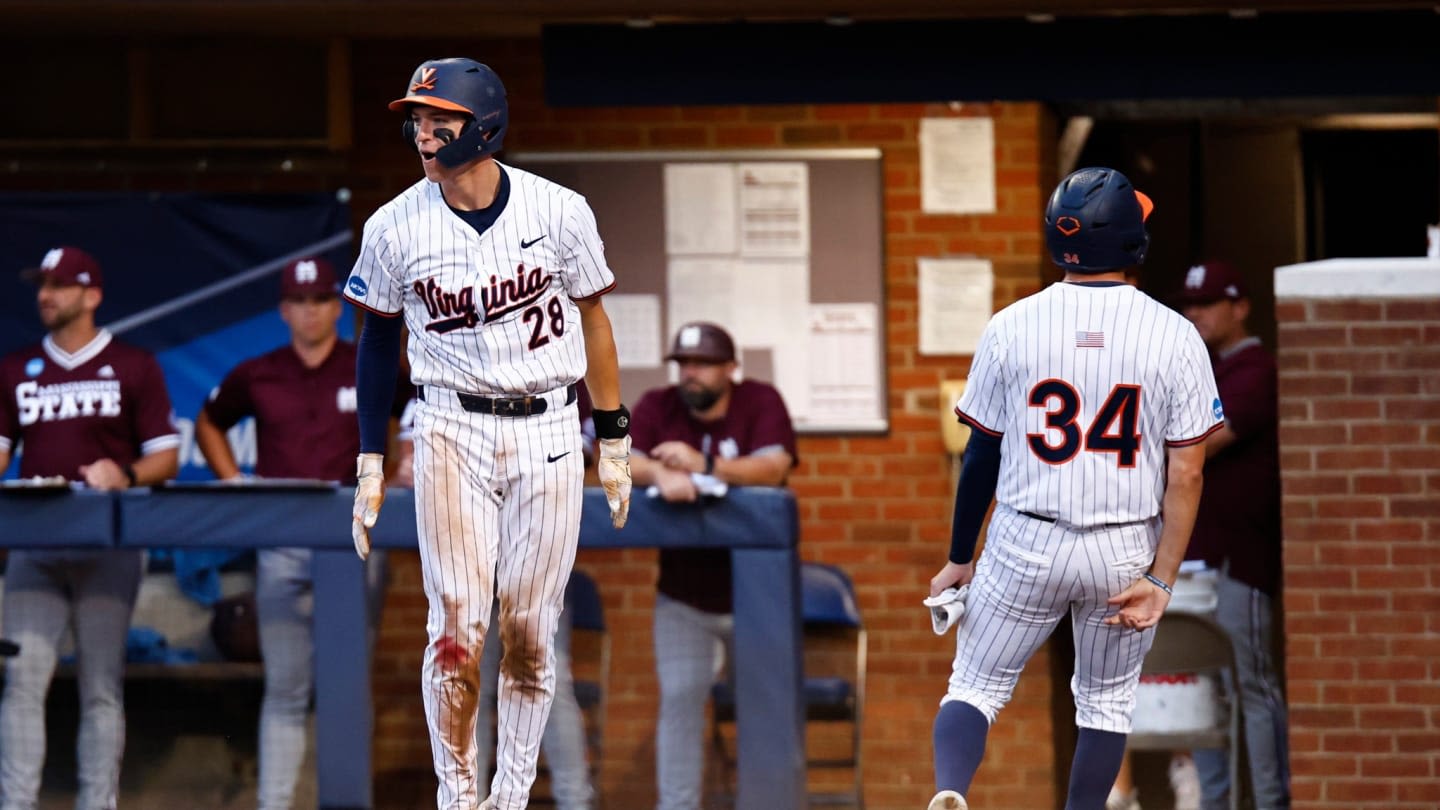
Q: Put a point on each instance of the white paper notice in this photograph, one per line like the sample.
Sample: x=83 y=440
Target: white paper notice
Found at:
x=635 y=320
x=955 y=304
x=700 y=200
x=957 y=165
x=700 y=290
x=774 y=209
x=844 y=367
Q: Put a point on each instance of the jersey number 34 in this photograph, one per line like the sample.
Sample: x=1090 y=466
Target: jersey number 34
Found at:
x=1114 y=429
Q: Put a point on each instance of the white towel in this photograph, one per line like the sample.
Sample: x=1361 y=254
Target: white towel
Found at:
x=947 y=608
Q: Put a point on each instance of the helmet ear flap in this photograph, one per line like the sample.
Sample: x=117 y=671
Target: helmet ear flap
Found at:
x=408 y=128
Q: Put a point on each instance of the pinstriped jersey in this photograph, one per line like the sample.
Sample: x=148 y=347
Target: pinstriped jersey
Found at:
x=489 y=312
x=1087 y=384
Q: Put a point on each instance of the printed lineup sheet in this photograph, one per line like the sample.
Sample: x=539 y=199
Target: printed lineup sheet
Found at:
x=737 y=238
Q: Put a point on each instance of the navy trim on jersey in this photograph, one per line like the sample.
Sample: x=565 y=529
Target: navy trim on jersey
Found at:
x=971 y=421
x=482 y=219
x=1198 y=439
x=377 y=365
x=979 y=474
x=1099 y=283
x=597 y=294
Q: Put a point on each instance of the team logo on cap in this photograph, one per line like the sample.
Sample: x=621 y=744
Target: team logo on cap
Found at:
x=1195 y=278
x=358 y=286
x=306 y=272
x=427 y=80
x=52 y=258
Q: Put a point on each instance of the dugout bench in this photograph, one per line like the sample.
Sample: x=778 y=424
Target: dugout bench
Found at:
x=759 y=524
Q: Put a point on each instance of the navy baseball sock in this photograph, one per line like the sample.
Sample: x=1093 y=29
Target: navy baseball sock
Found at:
x=1093 y=771
x=960 y=731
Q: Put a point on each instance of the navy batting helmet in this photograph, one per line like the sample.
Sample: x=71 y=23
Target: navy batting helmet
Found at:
x=1095 y=222
x=463 y=86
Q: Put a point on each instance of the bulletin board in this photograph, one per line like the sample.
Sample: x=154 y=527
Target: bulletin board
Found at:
x=784 y=248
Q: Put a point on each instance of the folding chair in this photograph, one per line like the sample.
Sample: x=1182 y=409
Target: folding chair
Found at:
x=1187 y=643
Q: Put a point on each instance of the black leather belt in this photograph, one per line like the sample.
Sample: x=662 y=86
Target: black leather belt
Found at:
x=1086 y=528
x=507 y=406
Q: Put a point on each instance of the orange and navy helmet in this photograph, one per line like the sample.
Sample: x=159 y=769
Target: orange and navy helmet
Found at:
x=1095 y=222
x=463 y=86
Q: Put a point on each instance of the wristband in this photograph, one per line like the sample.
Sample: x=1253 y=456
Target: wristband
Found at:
x=129 y=471
x=1158 y=582
x=709 y=463
x=612 y=424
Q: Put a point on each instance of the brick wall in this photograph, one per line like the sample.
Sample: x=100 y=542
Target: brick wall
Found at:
x=1360 y=431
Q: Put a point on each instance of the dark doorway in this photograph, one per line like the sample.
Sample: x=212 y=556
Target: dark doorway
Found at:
x=1370 y=192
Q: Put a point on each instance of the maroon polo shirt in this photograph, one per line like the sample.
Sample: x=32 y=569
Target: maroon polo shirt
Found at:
x=1239 y=517
x=107 y=400
x=755 y=421
x=305 y=423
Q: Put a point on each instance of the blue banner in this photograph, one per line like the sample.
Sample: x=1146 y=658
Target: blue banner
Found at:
x=194 y=278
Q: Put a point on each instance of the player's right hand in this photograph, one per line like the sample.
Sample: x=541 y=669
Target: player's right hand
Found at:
x=614 y=470
x=1141 y=606
x=369 y=494
x=952 y=575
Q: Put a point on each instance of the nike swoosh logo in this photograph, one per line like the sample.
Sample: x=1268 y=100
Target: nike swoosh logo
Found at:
x=525 y=244
x=553 y=459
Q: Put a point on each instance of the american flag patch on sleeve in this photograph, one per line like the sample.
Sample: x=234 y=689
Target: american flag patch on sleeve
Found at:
x=1089 y=340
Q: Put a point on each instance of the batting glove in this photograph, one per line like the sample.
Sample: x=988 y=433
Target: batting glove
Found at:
x=369 y=494
x=614 y=469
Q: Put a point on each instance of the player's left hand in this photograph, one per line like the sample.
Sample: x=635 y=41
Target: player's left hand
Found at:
x=369 y=495
x=104 y=474
x=1141 y=606
x=614 y=470
x=678 y=455
x=953 y=574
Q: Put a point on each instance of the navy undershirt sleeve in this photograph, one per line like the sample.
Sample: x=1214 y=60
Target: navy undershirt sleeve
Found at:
x=979 y=473
x=377 y=364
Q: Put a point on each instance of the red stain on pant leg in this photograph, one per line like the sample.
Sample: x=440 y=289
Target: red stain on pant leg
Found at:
x=449 y=654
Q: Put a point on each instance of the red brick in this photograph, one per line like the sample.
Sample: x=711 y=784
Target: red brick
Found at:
x=1347 y=311
x=1385 y=384
x=1427 y=409
x=812 y=134
x=1388 y=484
x=746 y=136
x=1355 y=742
x=1359 y=791
x=1387 y=335
x=1412 y=310
x=1316 y=484
x=1307 y=336
x=1341 y=409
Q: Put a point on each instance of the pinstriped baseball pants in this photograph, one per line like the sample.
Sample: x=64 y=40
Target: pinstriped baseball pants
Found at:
x=497 y=503
x=45 y=591
x=1029 y=575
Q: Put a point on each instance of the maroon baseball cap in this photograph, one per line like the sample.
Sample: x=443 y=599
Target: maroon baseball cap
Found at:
x=310 y=276
x=1212 y=281
x=66 y=265
x=702 y=341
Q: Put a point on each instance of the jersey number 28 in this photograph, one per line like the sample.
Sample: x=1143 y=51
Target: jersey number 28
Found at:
x=1115 y=429
x=552 y=316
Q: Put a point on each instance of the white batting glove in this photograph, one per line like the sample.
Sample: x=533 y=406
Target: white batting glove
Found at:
x=614 y=469
x=369 y=494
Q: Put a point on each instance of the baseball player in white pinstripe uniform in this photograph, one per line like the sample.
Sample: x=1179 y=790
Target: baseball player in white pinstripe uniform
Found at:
x=498 y=274
x=1089 y=404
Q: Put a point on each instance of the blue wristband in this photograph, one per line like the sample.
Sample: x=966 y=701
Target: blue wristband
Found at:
x=1158 y=582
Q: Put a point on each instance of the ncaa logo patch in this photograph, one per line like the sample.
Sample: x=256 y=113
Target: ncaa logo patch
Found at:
x=1219 y=411
x=34 y=367
x=357 y=285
